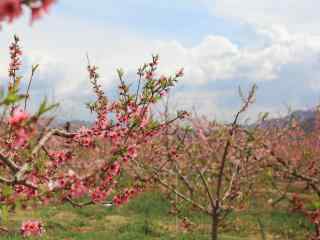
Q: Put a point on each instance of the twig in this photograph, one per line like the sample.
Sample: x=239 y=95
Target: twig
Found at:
x=34 y=68
x=206 y=187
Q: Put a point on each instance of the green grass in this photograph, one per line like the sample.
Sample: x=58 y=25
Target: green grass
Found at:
x=147 y=218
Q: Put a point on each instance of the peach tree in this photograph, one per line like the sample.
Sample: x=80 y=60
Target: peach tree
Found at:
x=41 y=164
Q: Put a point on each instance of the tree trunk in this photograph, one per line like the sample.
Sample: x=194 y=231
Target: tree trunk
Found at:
x=214 y=224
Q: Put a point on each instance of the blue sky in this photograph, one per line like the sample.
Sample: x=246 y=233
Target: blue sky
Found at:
x=222 y=44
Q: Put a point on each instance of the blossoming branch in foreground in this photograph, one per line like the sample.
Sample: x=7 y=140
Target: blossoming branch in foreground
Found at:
x=13 y=9
x=52 y=165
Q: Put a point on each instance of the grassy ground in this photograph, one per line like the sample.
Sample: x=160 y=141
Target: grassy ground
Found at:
x=147 y=218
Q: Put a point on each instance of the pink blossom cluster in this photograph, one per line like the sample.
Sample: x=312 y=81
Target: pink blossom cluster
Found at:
x=99 y=196
x=15 y=55
x=18 y=117
x=84 y=137
x=78 y=189
x=28 y=191
x=126 y=195
x=32 y=228
x=21 y=131
x=22 y=190
x=70 y=184
x=12 y=9
x=60 y=157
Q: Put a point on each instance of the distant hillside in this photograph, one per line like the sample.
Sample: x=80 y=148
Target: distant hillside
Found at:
x=56 y=123
x=74 y=124
x=305 y=117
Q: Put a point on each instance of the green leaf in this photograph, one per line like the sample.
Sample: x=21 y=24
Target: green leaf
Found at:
x=316 y=204
x=1 y=92
x=269 y=172
x=120 y=72
x=45 y=108
x=4 y=214
x=7 y=191
x=34 y=68
x=12 y=98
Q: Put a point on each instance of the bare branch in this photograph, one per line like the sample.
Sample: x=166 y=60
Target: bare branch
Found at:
x=206 y=187
x=9 y=162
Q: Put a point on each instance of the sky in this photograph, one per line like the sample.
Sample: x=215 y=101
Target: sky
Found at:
x=222 y=44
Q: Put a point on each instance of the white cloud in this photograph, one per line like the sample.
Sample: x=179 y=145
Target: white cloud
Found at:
x=217 y=58
x=214 y=58
x=61 y=54
x=296 y=15
x=199 y=102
